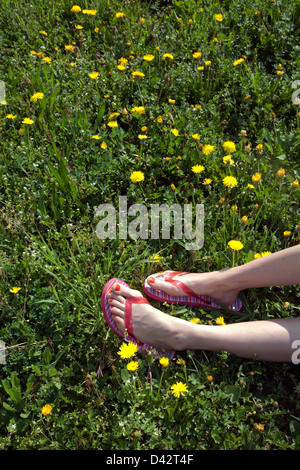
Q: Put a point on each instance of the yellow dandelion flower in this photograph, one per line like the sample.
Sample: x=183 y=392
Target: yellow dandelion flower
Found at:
x=89 y=12
x=229 y=146
x=230 y=181
x=179 y=389
x=93 y=75
x=14 y=290
x=196 y=136
x=207 y=149
x=121 y=67
x=219 y=17
x=200 y=68
x=238 y=61
x=112 y=124
x=27 y=121
x=180 y=362
x=265 y=253
x=197 y=55
x=75 y=9
x=256 y=177
x=227 y=159
x=132 y=366
x=120 y=14
x=137 y=176
x=142 y=136
x=244 y=219
x=175 y=132
x=155 y=258
x=69 y=47
x=79 y=26
x=103 y=145
x=47 y=60
x=11 y=116
x=136 y=73
x=207 y=181
x=197 y=168
x=195 y=321
x=220 y=321
x=46 y=410
x=168 y=56
x=44 y=33
x=235 y=245
x=128 y=350
x=295 y=183
x=159 y=119
x=138 y=110
x=164 y=361
x=148 y=57
x=37 y=96
x=281 y=172
x=113 y=115
x=287 y=233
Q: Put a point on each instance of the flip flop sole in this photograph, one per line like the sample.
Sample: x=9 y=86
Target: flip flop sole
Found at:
x=127 y=337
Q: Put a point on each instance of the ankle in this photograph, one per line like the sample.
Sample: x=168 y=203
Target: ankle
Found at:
x=228 y=279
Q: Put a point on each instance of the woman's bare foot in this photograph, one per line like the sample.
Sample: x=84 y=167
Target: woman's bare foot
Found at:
x=209 y=284
x=150 y=325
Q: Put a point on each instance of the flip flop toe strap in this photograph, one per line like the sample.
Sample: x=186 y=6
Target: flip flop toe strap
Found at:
x=183 y=287
x=177 y=283
x=128 y=311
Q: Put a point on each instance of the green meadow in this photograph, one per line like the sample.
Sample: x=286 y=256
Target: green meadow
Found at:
x=178 y=102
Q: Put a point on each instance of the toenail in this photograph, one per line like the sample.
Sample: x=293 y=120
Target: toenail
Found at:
x=118 y=287
x=110 y=300
x=151 y=279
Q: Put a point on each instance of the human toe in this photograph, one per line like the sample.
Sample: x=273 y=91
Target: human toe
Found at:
x=124 y=291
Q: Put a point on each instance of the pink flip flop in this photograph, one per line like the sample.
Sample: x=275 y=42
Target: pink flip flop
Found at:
x=128 y=336
x=201 y=301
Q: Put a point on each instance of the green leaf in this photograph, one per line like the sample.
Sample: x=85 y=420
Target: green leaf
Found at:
x=47 y=355
x=8 y=407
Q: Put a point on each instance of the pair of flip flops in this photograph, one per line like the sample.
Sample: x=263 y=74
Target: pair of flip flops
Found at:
x=190 y=298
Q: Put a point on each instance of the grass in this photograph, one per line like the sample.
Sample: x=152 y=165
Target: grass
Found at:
x=56 y=171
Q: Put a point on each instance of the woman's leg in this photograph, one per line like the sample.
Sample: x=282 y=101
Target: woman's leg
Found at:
x=277 y=269
x=267 y=340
